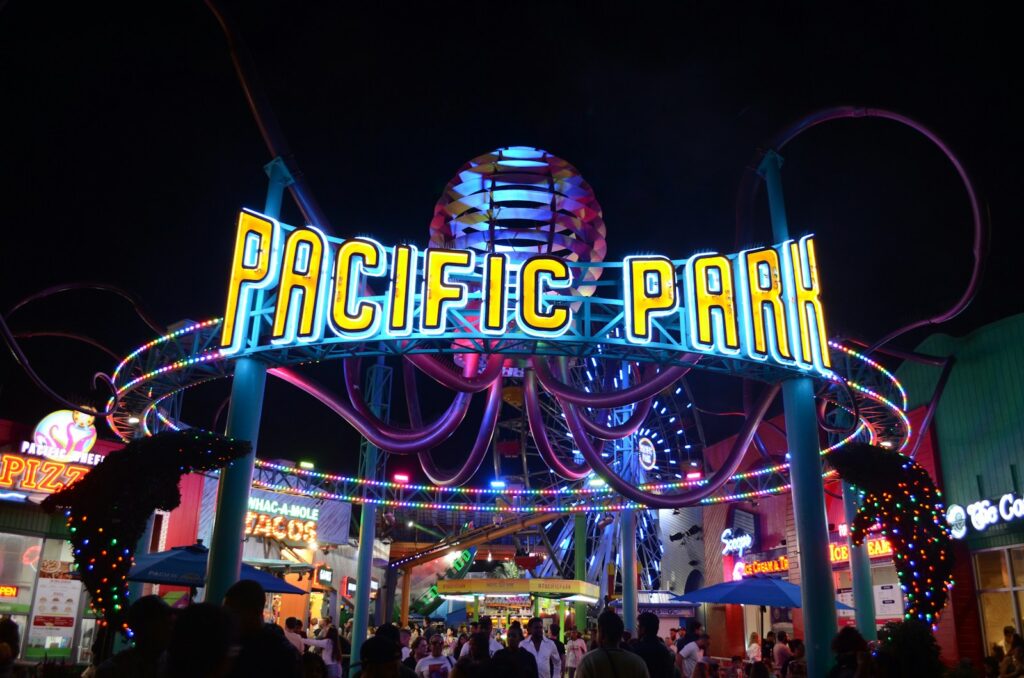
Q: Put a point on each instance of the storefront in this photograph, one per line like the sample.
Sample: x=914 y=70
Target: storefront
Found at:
x=38 y=589
x=979 y=433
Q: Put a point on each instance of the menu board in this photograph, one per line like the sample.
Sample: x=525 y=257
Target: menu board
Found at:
x=57 y=595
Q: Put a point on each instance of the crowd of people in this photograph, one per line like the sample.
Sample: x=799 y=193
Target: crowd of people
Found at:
x=206 y=640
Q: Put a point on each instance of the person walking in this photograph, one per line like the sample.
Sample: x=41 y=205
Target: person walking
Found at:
x=514 y=660
x=549 y=663
x=692 y=655
x=331 y=647
x=435 y=664
x=650 y=648
x=608 y=659
x=574 y=651
x=781 y=652
x=754 y=647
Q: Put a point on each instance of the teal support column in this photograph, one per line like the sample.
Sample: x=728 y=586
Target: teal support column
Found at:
x=628 y=555
x=244 y=411
x=580 y=552
x=561 y=620
x=225 y=562
x=378 y=389
x=816 y=586
x=860 y=568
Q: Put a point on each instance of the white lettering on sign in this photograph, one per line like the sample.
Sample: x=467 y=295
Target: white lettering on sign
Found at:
x=983 y=513
x=736 y=542
x=283 y=508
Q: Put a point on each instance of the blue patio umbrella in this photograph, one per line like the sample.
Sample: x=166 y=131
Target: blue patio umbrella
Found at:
x=755 y=590
x=186 y=566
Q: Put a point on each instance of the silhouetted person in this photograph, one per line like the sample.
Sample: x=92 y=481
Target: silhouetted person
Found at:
x=391 y=633
x=514 y=661
x=380 y=657
x=850 y=649
x=149 y=618
x=649 y=647
x=10 y=646
x=201 y=643
x=263 y=649
x=609 y=659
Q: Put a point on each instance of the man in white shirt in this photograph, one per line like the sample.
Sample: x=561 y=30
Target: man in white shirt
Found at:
x=435 y=665
x=693 y=654
x=291 y=632
x=404 y=637
x=549 y=662
x=492 y=644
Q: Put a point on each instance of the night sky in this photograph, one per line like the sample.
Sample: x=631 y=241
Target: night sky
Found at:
x=127 y=150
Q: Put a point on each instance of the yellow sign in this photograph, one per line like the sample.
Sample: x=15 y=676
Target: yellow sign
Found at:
x=545 y=588
x=761 y=304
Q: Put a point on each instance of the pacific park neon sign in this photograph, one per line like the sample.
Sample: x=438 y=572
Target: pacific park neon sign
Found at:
x=293 y=286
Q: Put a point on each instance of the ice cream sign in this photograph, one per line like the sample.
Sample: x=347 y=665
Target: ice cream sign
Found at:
x=59 y=453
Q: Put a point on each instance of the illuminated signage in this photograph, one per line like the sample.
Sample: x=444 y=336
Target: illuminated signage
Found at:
x=837 y=553
x=64 y=435
x=956 y=518
x=647 y=455
x=36 y=475
x=8 y=591
x=279 y=527
x=761 y=304
x=283 y=508
x=736 y=541
x=982 y=514
x=325 y=575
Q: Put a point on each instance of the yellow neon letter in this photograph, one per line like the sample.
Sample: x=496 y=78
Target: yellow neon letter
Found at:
x=351 y=316
x=535 y=315
x=711 y=303
x=400 y=297
x=650 y=290
x=302 y=270
x=808 y=292
x=440 y=293
x=254 y=266
x=762 y=295
x=494 y=306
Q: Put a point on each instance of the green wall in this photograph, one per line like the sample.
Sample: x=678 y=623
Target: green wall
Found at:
x=979 y=425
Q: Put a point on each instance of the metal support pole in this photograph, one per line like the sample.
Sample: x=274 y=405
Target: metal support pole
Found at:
x=406 y=588
x=628 y=531
x=476 y=608
x=536 y=606
x=561 y=620
x=816 y=586
x=225 y=561
x=247 y=386
x=580 y=552
x=368 y=518
x=860 y=569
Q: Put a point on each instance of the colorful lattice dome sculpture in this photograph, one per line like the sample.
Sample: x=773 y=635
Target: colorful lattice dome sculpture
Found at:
x=522 y=201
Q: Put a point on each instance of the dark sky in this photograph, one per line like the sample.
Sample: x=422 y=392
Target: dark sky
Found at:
x=127 y=149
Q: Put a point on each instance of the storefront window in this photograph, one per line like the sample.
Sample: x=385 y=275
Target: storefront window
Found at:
x=1017 y=560
x=19 y=559
x=991 y=569
x=1000 y=601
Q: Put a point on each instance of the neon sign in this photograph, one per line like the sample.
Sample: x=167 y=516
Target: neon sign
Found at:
x=293 y=286
x=8 y=591
x=736 y=541
x=837 y=553
x=38 y=475
x=984 y=513
x=279 y=527
x=647 y=453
